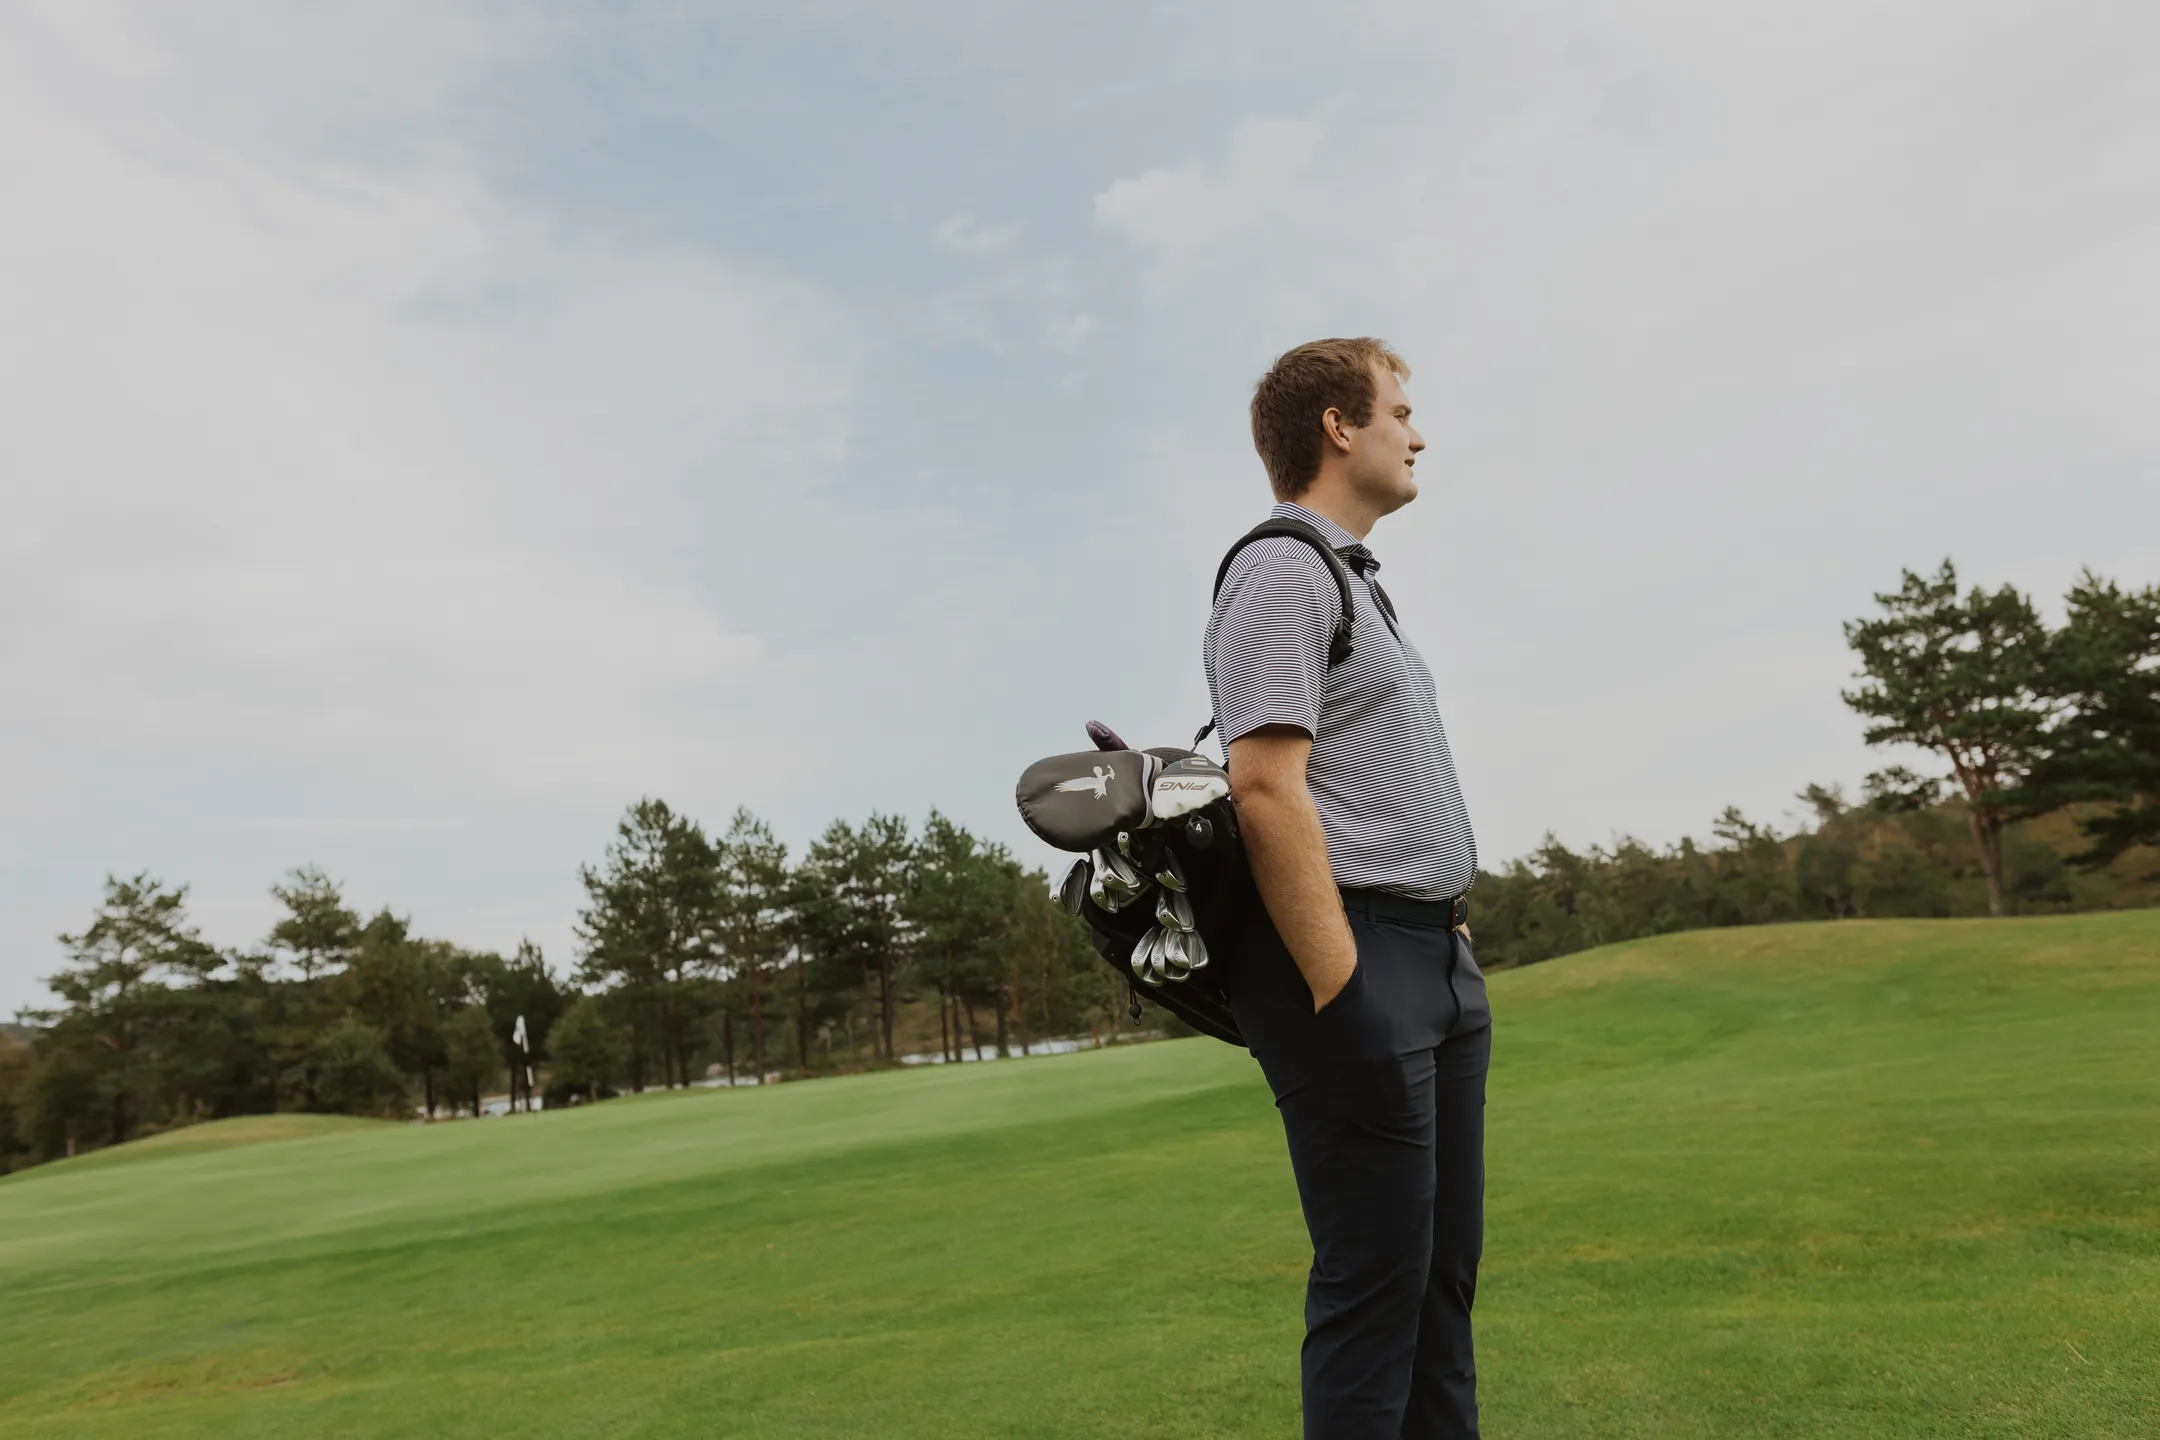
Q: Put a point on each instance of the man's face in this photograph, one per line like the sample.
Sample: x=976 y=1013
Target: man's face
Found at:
x=1383 y=454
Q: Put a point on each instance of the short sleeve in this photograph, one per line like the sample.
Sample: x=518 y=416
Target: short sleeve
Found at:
x=1270 y=632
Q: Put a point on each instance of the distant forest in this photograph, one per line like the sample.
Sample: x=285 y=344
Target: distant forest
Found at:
x=719 y=958
x=1848 y=861
x=701 y=959
x=2051 y=740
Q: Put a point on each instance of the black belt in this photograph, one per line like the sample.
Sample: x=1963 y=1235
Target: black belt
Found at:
x=1386 y=905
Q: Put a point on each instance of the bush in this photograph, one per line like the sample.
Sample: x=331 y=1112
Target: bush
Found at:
x=590 y=1052
x=347 y=1071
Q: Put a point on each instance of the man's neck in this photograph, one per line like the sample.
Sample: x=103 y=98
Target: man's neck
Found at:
x=1339 y=503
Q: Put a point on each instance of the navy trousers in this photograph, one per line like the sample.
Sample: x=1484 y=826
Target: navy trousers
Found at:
x=1382 y=1096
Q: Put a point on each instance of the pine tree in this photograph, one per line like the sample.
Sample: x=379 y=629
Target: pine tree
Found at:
x=961 y=908
x=1960 y=677
x=754 y=922
x=647 y=930
x=852 y=913
x=116 y=990
x=402 y=987
x=2103 y=672
x=318 y=932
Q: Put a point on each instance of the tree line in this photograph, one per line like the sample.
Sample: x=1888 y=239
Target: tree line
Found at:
x=716 y=950
x=1893 y=852
x=2050 y=737
x=700 y=957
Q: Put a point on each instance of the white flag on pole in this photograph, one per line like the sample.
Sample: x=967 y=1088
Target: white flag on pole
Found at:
x=518 y=1034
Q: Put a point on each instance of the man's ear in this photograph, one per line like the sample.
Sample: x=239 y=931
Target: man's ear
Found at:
x=1336 y=429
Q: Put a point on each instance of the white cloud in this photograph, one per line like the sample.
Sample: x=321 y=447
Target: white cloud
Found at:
x=327 y=476
x=965 y=235
x=361 y=441
x=1180 y=213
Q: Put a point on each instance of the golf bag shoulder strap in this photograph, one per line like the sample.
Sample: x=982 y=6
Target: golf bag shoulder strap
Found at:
x=1387 y=606
x=1298 y=530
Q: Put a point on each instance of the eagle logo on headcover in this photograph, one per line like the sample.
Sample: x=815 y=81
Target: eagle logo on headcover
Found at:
x=1100 y=784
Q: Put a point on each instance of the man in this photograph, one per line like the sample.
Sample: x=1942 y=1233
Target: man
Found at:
x=1361 y=1000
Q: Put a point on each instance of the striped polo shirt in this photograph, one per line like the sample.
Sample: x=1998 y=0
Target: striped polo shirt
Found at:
x=1380 y=772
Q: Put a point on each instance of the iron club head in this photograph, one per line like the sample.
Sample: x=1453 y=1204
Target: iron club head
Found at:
x=1174 y=962
x=1147 y=965
x=1173 y=911
x=1196 y=952
x=1073 y=888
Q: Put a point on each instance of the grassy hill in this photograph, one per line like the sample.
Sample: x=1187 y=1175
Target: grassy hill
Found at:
x=224 y=1135
x=1870 y=1179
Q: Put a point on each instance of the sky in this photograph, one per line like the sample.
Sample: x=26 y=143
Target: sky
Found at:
x=426 y=428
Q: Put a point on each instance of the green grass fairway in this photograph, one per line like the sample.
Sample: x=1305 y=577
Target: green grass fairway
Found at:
x=1867 y=1179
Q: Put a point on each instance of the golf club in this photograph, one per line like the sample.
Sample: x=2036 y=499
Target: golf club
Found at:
x=1176 y=966
x=1173 y=911
x=1104 y=737
x=1147 y=958
x=1196 y=951
x=1072 y=888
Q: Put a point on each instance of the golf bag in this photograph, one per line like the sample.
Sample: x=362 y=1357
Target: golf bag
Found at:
x=1161 y=877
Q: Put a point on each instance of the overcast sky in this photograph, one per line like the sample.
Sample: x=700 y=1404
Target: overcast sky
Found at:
x=425 y=428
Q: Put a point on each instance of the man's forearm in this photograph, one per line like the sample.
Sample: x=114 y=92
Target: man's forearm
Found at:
x=1288 y=852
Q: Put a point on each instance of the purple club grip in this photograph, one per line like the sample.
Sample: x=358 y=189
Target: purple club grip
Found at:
x=1104 y=737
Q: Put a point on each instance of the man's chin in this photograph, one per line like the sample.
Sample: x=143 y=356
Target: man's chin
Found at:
x=1388 y=494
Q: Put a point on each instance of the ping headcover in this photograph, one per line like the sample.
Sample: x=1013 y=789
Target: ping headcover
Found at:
x=1184 y=786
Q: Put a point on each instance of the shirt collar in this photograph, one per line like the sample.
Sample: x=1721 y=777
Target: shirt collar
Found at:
x=1341 y=541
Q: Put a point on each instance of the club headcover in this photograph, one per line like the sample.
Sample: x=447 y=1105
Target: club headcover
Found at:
x=1186 y=785
x=1079 y=802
